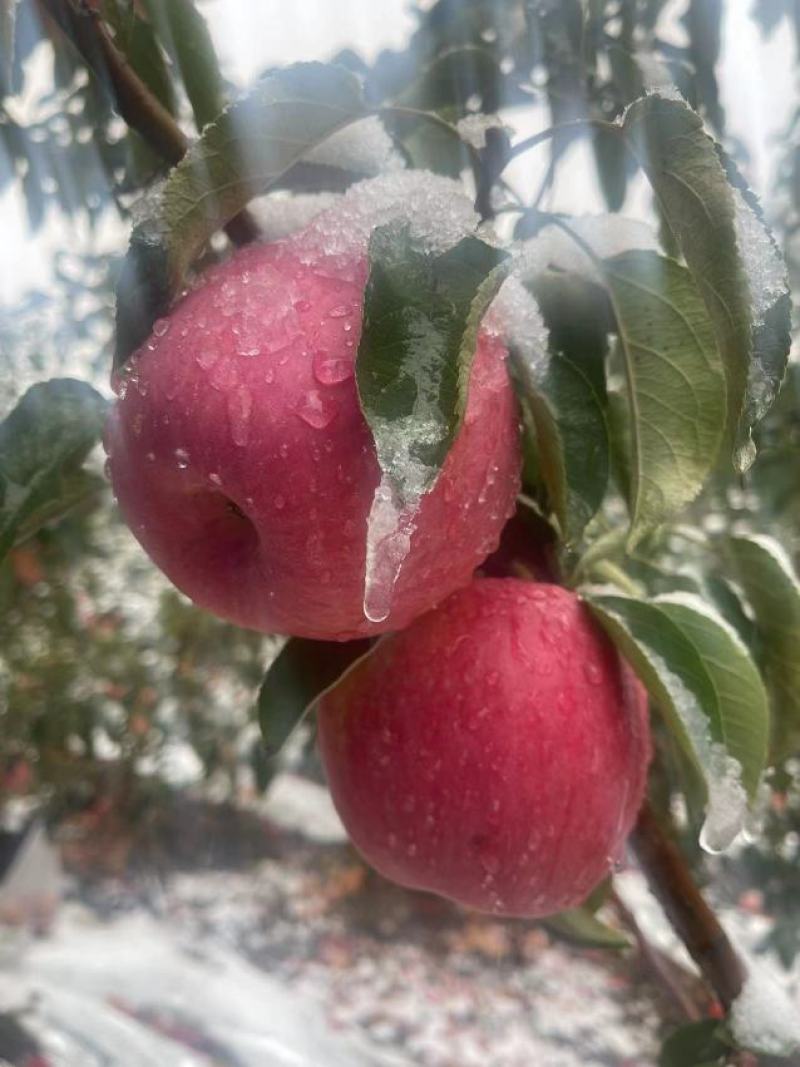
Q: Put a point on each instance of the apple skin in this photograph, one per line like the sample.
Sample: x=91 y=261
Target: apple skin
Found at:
x=244 y=466
x=495 y=752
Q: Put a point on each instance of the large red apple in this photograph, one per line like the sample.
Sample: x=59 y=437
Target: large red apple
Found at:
x=495 y=752
x=244 y=466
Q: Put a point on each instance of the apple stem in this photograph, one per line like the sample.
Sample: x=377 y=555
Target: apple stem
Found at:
x=136 y=104
x=695 y=923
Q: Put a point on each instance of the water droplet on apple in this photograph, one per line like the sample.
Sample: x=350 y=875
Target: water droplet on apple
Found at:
x=330 y=371
x=279 y=502
x=239 y=407
x=160 y=327
x=315 y=410
x=137 y=424
x=592 y=673
x=207 y=358
x=150 y=457
x=341 y=311
x=215 y=479
x=284 y=450
x=182 y=458
x=269 y=375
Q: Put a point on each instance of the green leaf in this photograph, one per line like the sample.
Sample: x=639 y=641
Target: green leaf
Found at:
x=676 y=661
x=728 y=249
x=675 y=383
x=183 y=31
x=43 y=443
x=298 y=676
x=428 y=140
x=579 y=926
x=134 y=37
x=421 y=319
x=740 y=690
x=572 y=446
x=768 y=579
x=452 y=78
x=8 y=18
x=697 y=1044
x=246 y=151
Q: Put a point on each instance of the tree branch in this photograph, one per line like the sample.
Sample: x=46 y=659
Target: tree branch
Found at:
x=693 y=920
x=134 y=101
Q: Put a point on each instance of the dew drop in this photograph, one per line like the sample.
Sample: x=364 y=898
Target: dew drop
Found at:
x=592 y=673
x=181 y=458
x=269 y=375
x=315 y=410
x=215 y=479
x=206 y=358
x=160 y=327
x=330 y=371
x=284 y=450
x=239 y=407
x=341 y=311
x=150 y=457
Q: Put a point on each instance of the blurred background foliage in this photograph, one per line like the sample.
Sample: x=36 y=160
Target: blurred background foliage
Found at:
x=110 y=682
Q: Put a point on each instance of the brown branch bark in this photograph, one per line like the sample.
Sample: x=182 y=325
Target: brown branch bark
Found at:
x=693 y=920
x=133 y=100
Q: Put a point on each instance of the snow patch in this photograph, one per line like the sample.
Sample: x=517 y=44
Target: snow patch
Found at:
x=364 y=147
x=606 y=235
x=763 y=1017
x=436 y=209
x=472 y=128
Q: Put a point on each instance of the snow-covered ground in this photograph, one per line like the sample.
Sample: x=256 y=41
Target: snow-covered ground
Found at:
x=306 y=959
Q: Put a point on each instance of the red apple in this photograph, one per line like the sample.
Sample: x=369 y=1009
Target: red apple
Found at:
x=244 y=466
x=495 y=752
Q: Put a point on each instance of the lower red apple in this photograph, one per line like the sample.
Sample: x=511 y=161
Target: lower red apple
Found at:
x=495 y=752
x=243 y=463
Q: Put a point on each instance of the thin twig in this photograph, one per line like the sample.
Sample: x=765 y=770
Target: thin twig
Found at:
x=664 y=970
x=692 y=919
x=134 y=101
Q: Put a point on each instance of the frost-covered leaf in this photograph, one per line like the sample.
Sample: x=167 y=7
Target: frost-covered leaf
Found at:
x=580 y=926
x=768 y=579
x=673 y=659
x=698 y=1044
x=744 y=709
x=728 y=249
x=452 y=78
x=298 y=676
x=43 y=443
x=675 y=383
x=421 y=318
x=240 y=155
x=567 y=405
x=183 y=31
